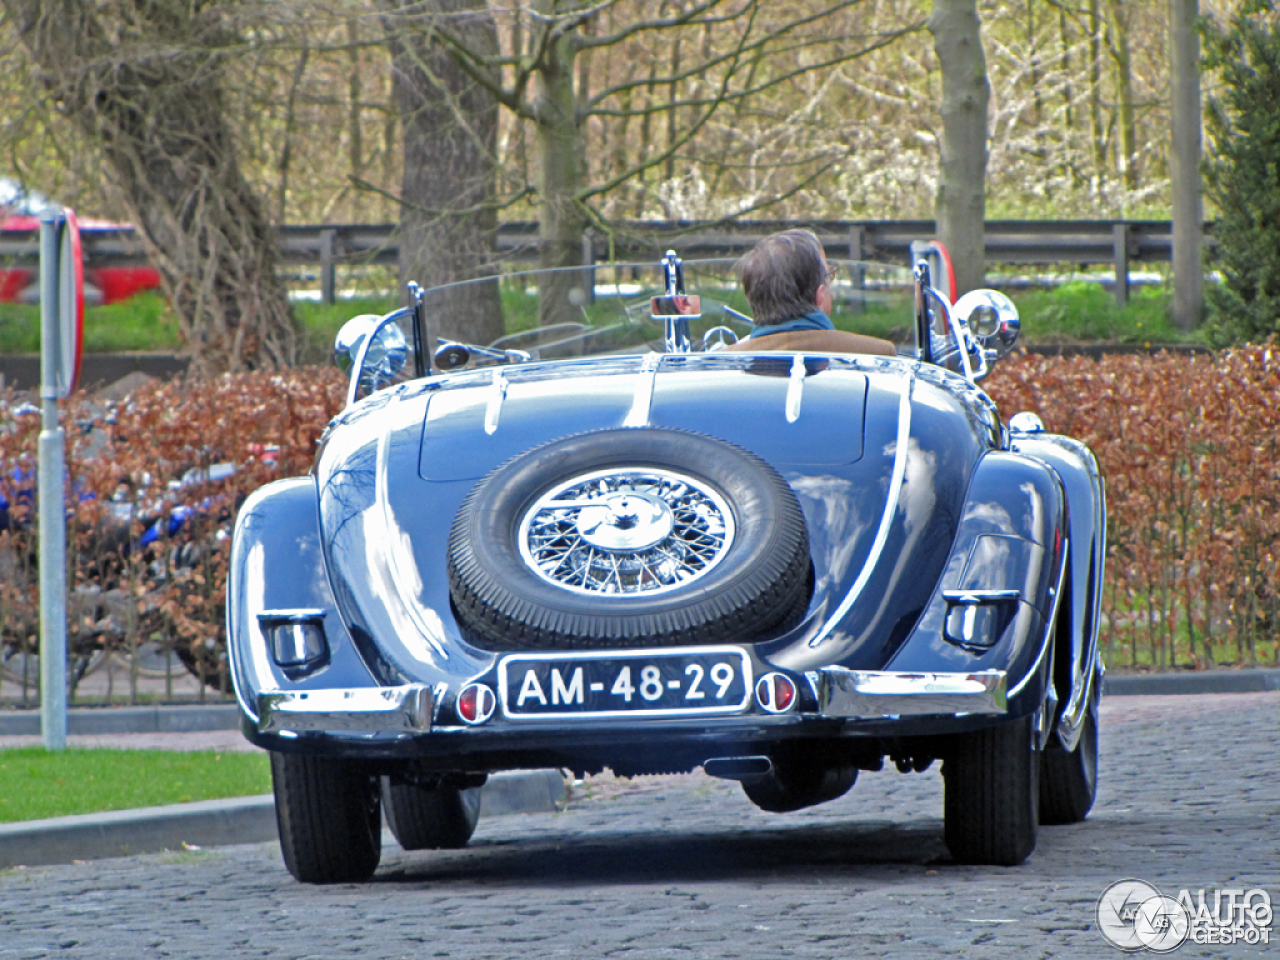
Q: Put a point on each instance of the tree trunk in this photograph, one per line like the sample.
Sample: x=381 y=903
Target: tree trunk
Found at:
x=1097 y=135
x=448 y=221
x=1124 y=93
x=161 y=124
x=1184 y=166
x=562 y=219
x=961 y=203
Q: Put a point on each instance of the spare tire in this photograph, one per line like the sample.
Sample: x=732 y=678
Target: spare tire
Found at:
x=629 y=538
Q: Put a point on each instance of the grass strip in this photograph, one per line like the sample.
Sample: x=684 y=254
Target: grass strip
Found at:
x=36 y=783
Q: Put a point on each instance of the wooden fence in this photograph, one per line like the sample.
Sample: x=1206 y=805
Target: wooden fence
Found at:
x=1114 y=243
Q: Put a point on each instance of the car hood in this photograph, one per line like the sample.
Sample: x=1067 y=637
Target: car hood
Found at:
x=878 y=451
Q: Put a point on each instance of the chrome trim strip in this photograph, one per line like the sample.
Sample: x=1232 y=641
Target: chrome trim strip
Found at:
x=1053 y=621
x=300 y=615
x=642 y=403
x=968 y=598
x=871 y=694
x=497 y=395
x=795 y=388
x=890 y=511
x=404 y=709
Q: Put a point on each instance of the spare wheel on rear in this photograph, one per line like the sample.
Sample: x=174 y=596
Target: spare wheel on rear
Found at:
x=629 y=538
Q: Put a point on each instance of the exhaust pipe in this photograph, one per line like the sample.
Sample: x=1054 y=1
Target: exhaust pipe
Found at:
x=738 y=768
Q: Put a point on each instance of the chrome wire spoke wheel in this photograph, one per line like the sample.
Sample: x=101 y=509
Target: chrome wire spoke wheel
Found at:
x=626 y=531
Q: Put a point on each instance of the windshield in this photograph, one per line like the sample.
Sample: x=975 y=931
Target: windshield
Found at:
x=607 y=308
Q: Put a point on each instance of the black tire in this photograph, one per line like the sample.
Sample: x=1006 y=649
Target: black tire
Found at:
x=992 y=795
x=329 y=818
x=1069 y=778
x=430 y=818
x=757 y=584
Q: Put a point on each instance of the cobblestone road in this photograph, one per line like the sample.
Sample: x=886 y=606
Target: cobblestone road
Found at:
x=685 y=867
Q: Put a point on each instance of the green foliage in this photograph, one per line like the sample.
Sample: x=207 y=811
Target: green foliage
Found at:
x=1085 y=311
x=1243 y=172
x=36 y=783
x=19 y=328
x=1076 y=311
x=143 y=322
x=322 y=321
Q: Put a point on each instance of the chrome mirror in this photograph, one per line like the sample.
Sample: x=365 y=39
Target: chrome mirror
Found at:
x=992 y=319
x=346 y=345
x=677 y=306
x=373 y=350
x=451 y=356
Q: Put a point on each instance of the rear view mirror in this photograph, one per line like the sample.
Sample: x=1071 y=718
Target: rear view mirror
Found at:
x=451 y=356
x=677 y=306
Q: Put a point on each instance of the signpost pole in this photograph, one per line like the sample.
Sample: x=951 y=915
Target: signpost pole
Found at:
x=51 y=504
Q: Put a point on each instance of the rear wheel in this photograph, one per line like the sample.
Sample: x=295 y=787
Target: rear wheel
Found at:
x=1069 y=778
x=992 y=794
x=430 y=818
x=329 y=818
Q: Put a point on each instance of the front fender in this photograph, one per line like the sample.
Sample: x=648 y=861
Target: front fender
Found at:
x=992 y=607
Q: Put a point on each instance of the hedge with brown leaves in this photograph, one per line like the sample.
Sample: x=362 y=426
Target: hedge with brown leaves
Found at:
x=1188 y=447
x=123 y=461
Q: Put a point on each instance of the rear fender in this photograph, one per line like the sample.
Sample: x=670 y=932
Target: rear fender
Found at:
x=1077 y=666
x=277 y=564
x=998 y=593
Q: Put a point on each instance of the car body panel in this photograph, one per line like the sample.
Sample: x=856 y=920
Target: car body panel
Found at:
x=941 y=546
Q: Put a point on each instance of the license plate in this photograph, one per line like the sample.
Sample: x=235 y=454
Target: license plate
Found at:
x=672 y=682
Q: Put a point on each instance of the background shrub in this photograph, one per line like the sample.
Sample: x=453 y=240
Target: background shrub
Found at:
x=1187 y=444
x=1189 y=451
x=146 y=463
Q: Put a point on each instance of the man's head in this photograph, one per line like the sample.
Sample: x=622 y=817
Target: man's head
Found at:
x=785 y=276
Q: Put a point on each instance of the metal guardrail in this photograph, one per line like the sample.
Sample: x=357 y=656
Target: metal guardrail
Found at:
x=1116 y=243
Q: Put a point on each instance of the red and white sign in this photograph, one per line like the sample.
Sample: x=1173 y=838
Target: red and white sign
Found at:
x=70 y=305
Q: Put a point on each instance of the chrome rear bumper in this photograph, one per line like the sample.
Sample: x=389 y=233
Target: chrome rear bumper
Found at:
x=404 y=709
x=869 y=694
x=841 y=693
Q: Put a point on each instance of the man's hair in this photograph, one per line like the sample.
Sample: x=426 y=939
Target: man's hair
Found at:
x=781 y=276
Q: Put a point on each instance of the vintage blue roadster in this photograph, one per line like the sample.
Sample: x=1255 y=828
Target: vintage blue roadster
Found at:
x=633 y=537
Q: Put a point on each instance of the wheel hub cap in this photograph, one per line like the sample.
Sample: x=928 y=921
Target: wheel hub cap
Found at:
x=625 y=522
x=626 y=531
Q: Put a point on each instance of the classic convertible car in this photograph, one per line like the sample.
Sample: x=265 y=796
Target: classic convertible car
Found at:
x=634 y=538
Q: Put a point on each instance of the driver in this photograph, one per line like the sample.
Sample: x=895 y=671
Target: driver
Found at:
x=788 y=285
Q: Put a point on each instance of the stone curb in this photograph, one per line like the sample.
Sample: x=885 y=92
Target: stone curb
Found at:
x=212 y=823
x=192 y=718
x=1191 y=682
x=195 y=718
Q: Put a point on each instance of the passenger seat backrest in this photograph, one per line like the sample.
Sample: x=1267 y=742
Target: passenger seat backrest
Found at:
x=817 y=341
